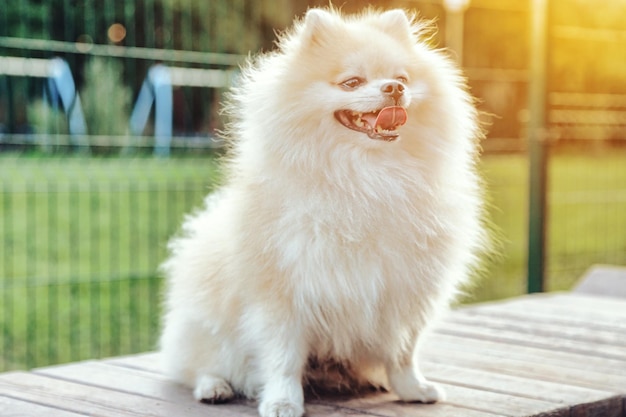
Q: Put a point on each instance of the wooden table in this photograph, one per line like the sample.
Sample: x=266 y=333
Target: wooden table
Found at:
x=540 y=355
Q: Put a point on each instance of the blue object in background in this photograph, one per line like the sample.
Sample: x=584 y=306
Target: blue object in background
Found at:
x=61 y=88
x=157 y=89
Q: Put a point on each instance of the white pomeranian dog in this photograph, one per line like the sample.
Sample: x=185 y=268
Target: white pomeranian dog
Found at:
x=350 y=216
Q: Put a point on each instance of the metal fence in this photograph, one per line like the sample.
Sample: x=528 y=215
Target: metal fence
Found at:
x=84 y=219
x=585 y=217
x=85 y=212
x=81 y=242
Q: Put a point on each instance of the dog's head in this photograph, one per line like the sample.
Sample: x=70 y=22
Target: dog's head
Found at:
x=368 y=80
x=357 y=71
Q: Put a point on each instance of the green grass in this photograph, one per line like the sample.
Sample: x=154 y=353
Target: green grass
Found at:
x=60 y=323
x=82 y=239
x=586 y=221
x=587 y=217
x=67 y=220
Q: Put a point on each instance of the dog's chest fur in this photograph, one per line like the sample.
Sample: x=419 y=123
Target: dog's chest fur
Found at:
x=358 y=256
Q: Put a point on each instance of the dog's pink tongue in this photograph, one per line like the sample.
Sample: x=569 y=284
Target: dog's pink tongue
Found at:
x=391 y=117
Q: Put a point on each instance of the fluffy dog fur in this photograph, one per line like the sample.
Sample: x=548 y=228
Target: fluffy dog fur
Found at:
x=327 y=248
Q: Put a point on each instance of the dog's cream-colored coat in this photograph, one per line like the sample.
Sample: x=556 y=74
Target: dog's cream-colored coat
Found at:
x=324 y=244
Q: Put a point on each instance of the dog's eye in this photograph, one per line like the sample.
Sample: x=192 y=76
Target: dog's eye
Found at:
x=352 y=83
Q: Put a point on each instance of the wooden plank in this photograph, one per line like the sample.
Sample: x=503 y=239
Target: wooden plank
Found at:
x=549 y=391
x=125 y=380
x=585 y=335
x=458 y=396
x=387 y=405
x=136 y=382
x=587 y=307
x=153 y=385
x=545 y=312
x=510 y=384
x=11 y=407
x=518 y=348
x=539 y=369
x=148 y=362
x=512 y=334
x=491 y=395
x=96 y=401
x=563 y=307
x=503 y=404
x=605 y=280
x=497 y=350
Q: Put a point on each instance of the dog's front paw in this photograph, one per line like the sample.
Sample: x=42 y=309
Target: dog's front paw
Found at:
x=411 y=388
x=423 y=392
x=212 y=389
x=280 y=409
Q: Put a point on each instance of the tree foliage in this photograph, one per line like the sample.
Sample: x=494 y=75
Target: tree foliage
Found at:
x=106 y=101
x=236 y=26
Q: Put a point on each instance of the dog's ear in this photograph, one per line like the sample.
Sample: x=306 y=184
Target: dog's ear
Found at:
x=317 y=23
x=395 y=22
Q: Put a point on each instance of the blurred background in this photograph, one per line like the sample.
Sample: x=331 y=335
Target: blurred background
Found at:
x=108 y=121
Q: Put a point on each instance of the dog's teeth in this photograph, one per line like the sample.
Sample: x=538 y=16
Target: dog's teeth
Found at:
x=358 y=122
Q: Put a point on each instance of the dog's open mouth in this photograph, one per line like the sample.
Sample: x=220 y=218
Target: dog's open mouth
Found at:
x=381 y=124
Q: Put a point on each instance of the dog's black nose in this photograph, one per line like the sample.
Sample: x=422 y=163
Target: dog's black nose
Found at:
x=393 y=89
